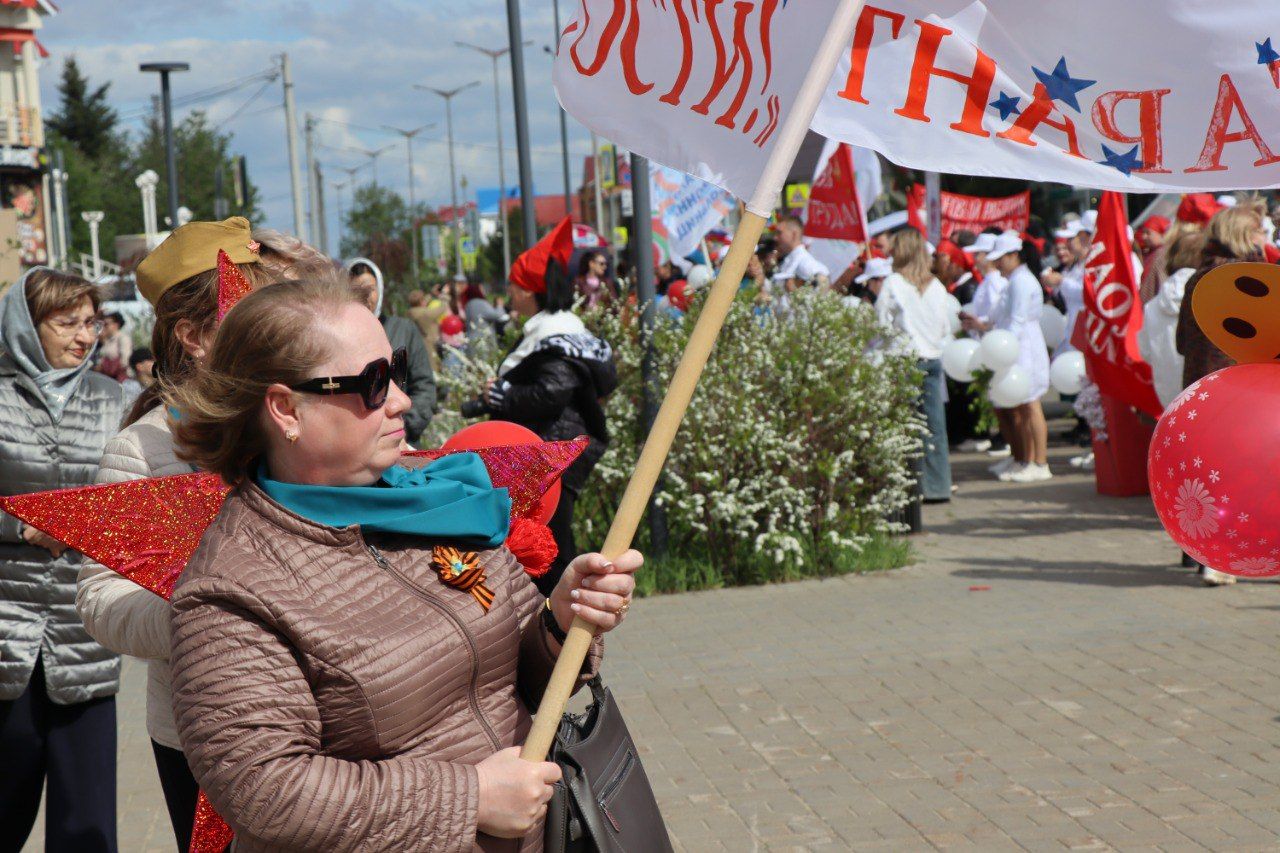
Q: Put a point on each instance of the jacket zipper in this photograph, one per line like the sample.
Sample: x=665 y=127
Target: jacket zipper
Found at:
x=614 y=784
x=453 y=617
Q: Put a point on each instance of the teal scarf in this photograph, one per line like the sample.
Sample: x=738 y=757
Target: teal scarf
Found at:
x=451 y=498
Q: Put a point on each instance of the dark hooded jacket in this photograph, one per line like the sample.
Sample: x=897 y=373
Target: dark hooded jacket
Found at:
x=557 y=389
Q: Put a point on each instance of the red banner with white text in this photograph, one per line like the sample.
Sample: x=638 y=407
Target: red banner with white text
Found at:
x=835 y=212
x=1107 y=331
x=973 y=213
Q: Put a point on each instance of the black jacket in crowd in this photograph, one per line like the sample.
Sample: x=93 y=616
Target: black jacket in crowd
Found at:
x=421 y=384
x=558 y=391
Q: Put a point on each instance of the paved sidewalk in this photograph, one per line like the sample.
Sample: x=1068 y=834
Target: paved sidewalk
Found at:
x=1043 y=678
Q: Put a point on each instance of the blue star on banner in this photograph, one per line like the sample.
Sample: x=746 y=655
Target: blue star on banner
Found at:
x=1124 y=163
x=1266 y=53
x=1007 y=105
x=1061 y=85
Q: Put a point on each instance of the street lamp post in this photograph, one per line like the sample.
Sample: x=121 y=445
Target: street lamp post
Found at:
x=413 y=225
x=339 y=186
x=94 y=218
x=373 y=158
x=448 y=95
x=520 y=104
x=170 y=157
x=564 y=130
x=495 y=54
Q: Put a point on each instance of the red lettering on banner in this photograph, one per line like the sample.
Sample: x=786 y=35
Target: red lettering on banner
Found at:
x=924 y=68
x=766 y=22
x=1041 y=111
x=1150 y=125
x=862 y=36
x=629 y=39
x=606 y=39
x=741 y=53
x=686 y=53
x=1227 y=105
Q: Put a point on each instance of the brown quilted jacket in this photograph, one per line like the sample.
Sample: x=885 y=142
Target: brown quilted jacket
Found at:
x=332 y=694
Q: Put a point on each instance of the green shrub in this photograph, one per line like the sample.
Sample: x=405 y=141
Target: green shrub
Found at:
x=792 y=461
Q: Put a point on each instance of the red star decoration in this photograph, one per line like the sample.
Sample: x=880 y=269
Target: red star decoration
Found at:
x=232 y=285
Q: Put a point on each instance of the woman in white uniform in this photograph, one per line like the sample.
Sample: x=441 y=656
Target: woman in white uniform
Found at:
x=1019 y=313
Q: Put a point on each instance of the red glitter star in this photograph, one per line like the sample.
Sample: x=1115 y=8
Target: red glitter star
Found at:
x=232 y=285
x=147 y=529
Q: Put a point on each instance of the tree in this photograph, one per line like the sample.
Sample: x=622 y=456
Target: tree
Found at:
x=84 y=118
x=376 y=226
x=200 y=149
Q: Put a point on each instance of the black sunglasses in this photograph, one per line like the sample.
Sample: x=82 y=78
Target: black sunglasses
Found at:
x=371 y=383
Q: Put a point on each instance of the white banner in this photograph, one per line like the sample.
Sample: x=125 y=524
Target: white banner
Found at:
x=1176 y=95
x=684 y=210
x=703 y=87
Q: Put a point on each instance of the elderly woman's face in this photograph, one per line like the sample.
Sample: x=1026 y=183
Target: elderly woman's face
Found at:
x=340 y=442
x=68 y=335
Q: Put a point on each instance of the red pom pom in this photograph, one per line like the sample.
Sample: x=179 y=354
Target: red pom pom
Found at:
x=533 y=545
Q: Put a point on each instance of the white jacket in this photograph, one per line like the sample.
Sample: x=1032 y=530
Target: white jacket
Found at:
x=1157 y=340
x=117 y=612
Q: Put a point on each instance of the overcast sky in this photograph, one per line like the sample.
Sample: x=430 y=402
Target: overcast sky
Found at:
x=353 y=62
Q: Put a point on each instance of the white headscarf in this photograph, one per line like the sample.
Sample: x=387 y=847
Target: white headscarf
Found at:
x=377 y=276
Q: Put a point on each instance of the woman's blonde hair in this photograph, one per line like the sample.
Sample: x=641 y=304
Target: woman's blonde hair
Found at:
x=195 y=300
x=287 y=257
x=1184 y=244
x=1234 y=228
x=271 y=336
x=49 y=291
x=911 y=257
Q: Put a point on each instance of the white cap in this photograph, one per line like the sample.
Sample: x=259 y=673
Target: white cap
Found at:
x=1227 y=200
x=985 y=243
x=1009 y=241
x=876 y=268
x=1089 y=221
x=1070 y=230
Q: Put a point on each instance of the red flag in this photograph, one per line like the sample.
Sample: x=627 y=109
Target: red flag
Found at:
x=835 y=211
x=1107 y=331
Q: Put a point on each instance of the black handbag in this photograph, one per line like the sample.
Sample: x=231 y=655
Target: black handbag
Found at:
x=604 y=803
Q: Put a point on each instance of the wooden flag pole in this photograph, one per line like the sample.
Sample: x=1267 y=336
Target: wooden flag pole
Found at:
x=685 y=380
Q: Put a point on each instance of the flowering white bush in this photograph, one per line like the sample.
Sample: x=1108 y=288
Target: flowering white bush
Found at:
x=795 y=452
x=797 y=445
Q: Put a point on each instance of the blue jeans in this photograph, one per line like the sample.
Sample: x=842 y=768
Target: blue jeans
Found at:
x=935 y=479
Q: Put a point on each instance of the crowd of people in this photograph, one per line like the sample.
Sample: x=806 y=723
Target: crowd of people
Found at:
x=319 y=602
x=303 y=399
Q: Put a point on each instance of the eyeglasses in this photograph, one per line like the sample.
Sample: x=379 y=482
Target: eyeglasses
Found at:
x=371 y=384
x=70 y=327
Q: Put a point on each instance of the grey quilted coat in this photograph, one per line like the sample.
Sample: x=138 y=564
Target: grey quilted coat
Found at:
x=37 y=592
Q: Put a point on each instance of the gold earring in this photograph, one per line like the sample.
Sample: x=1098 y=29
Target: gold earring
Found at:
x=291 y=436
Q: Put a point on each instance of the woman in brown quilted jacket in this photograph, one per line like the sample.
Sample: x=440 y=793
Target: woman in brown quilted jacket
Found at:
x=354 y=653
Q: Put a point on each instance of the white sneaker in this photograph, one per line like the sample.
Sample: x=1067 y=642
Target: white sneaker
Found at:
x=999 y=452
x=1029 y=473
x=974 y=445
x=1084 y=460
x=1002 y=466
x=1006 y=476
x=1213 y=577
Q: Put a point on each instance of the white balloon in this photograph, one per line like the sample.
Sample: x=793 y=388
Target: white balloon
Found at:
x=1067 y=372
x=1054 y=325
x=968 y=309
x=1000 y=350
x=957 y=358
x=1010 y=388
